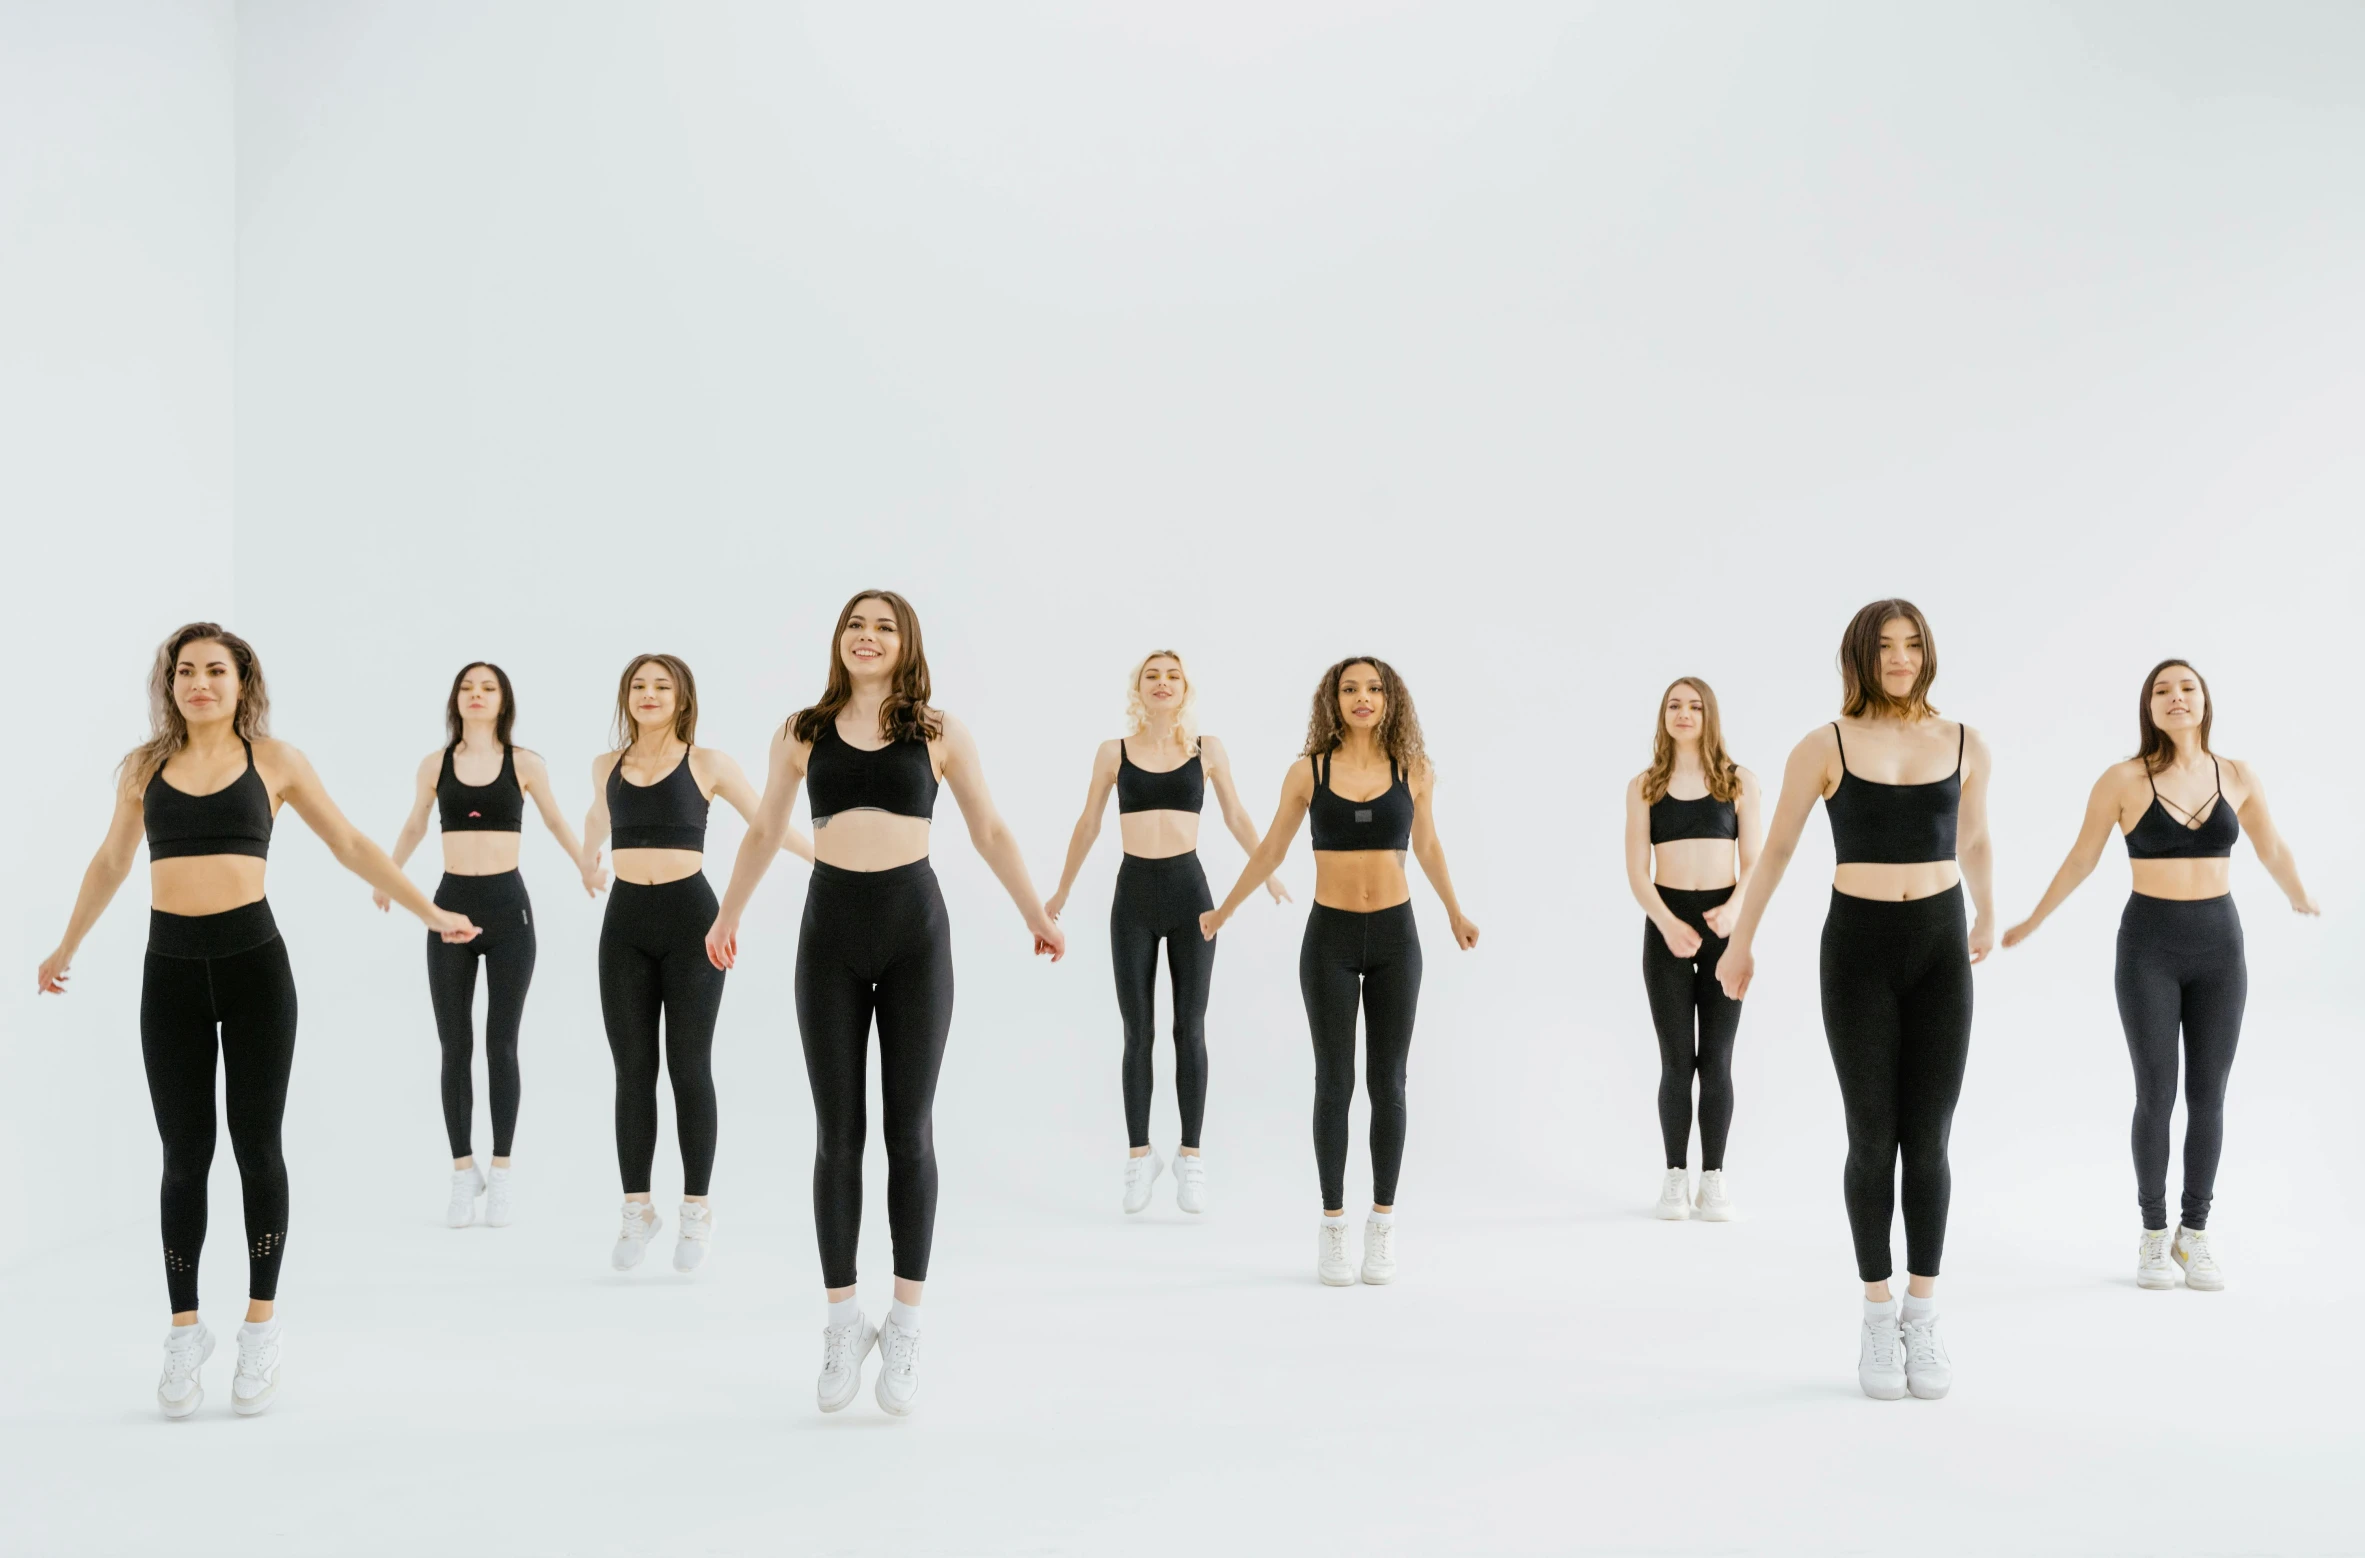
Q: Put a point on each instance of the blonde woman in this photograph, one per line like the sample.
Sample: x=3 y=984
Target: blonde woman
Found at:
x=1692 y=833
x=1161 y=769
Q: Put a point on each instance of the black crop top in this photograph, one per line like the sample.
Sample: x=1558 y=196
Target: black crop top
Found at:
x=1383 y=822
x=670 y=814
x=1894 y=824
x=233 y=820
x=499 y=807
x=899 y=777
x=1703 y=817
x=1182 y=788
x=2157 y=835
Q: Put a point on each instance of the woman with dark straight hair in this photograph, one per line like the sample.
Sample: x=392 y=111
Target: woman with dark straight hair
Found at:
x=1688 y=859
x=204 y=789
x=2180 y=807
x=476 y=784
x=1907 y=796
x=875 y=945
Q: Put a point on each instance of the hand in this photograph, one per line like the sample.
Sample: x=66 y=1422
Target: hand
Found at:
x=1465 y=934
x=1059 y=901
x=594 y=879
x=1279 y=892
x=2020 y=932
x=722 y=943
x=1982 y=941
x=454 y=928
x=381 y=900
x=53 y=971
x=1050 y=940
x=2304 y=904
x=1720 y=918
x=1211 y=922
x=1681 y=939
x=1735 y=968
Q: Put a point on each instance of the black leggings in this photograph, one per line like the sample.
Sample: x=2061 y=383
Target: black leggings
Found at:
x=1897 y=1011
x=227 y=972
x=1161 y=900
x=1373 y=958
x=2180 y=964
x=498 y=906
x=874 y=943
x=652 y=959
x=1685 y=996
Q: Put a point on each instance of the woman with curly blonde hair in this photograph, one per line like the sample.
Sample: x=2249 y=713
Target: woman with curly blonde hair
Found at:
x=1367 y=785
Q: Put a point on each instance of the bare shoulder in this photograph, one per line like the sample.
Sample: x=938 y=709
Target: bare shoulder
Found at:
x=273 y=753
x=1108 y=754
x=1974 y=744
x=529 y=762
x=1423 y=777
x=2242 y=774
x=603 y=764
x=1211 y=750
x=1821 y=742
x=1634 y=785
x=1750 y=784
x=430 y=768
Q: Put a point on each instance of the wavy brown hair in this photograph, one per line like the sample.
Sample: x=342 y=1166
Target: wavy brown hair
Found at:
x=685 y=698
x=504 y=721
x=168 y=730
x=906 y=715
x=1400 y=724
x=1724 y=777
x=2156 y=747
x=1860 y=663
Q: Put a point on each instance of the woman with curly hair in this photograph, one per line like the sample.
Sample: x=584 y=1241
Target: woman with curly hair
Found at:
x=1367 y=784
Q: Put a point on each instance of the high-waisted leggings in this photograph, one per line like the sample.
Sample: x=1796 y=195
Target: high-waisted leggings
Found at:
x=875 y=944
x=498 y=907
x=1161 y=900
x=1897 y=1011
x=652 y=963
x=1697 y=1022
x=2180 y=967
x=1374 y=960
x=219 y=979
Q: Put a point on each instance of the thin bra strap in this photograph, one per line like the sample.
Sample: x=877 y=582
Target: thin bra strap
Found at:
x=2219 y=772
x=1962 y=733
x=1319 y=762
x=1843 y=747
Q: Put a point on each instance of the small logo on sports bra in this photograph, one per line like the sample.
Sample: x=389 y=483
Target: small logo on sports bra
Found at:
x=1363 y=814
x=476 y=814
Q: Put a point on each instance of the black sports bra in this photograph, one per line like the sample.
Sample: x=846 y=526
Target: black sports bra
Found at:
x=670 y=814
x=498 y=807
x=1703 y=817
x=2157 y=835
x=1894 y=824
x=1383 y=822
x=233 y=820
x=899 y=777
x=1183 y=788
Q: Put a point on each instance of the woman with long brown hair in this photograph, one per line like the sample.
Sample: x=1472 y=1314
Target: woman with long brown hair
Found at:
x=1367 y=784
x=1692 y=836
x=204 y=789
x=1907 y=795
x=875 y=944
x=1161 y=892
x=652 y=794
x=2180 y=807
x=477 y=783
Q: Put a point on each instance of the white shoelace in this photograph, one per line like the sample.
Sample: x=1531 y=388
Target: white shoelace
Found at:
x=2196 y=1250
x=837 y=1347
x=1921 y=1343
x=1676 y=1189
x=2155 y=1247
x=636 y=1223
x=1379 y=1241
x=1885 y=1338
x=254 y=1352
x=1334 y=1239
x=180 y=1357
x=899 y=1348
x=697 y=1227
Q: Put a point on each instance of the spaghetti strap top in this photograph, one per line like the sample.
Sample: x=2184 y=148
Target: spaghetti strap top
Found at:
x=233 y=820
x=2210 y=835
x=1383 y=822
x=670 y=814
x=1182 y=788
x=1895 y=824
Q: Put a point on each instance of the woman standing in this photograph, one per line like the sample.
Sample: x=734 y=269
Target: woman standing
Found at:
x=477 y=783
x=652 y=793
x=1688 y=859
x=204 y=789
x=1367 y=784
x=1161 y=892
x=2180 y=808
x=1907 y=796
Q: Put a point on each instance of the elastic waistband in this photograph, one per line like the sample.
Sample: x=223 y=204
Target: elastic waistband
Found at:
x=222 y=935
x=1188 y=860
x=498 y=887
x=840 y=878
x=2171 y=915
x=687 y=888
x=1368 y=916
x=1693 y=897
x=1896 y=915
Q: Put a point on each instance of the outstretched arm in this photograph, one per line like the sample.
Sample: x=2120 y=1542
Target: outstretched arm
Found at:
x=117 y=853
x=730 y=782
x=767 y=832
x=1087 y=829
x=2094 y=831
x=1431 y=854
x=1218 y=766
x=1804 y=779
x=1974 y=848
x=533 y=775
x=965 y=773
x=1297 y=793
x=301 y=788
x=2273 y=852
x=414 y=827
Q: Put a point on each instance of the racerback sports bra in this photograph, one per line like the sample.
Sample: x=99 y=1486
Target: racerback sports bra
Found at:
x=1894 y=824
x=2157 y=835
x=670 y=814
x=1177 y=789
x=233 y=820
x=498 y=807
x=1383 y=822
x=899 y=777
x=1703 y=817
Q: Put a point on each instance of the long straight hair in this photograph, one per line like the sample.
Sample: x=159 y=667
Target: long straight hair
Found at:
x=1186 y=716
x=1860 y=663
x=906 y=715
x=2156 y=749
x=168 y=730
x=1724 y=778
x=504 y=721
x=1400 y=724
x=685 y=699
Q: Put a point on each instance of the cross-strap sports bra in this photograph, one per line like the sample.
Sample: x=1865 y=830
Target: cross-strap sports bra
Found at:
x=1383 y=822
x=670 y=814
x=1702 y=817
x=498 y=807
x=233 y=820
x=899 y=777
x=2157 y=835
x=1895 y=824
x=1176 y=789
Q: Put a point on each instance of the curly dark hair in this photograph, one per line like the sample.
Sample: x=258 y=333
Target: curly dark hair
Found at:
x=1400 y=723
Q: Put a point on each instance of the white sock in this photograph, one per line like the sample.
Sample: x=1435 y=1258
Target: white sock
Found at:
x=905 y=1317
x=845 y=1311
x=1384 y=1219
x=260 y=1328
x=1921 y=1308
x=1885 y=1310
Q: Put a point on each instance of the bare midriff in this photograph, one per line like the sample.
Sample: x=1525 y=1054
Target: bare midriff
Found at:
x=205 y=884
x=1360 y=880
x=1159 y=835
x=655 y=867
x=2183 y=880
x=870 y=840
x=1693 y=865
x=490 y=854
x=1896 y=883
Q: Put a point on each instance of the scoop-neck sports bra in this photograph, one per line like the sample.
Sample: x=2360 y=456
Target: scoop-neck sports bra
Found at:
x=899 y=777
x=1702 y=817
x=1383 y=822
x=233 y=820
x=2157 y=835
x=498 y=807
x=1894 y=824
x=1182 y=788
x=670 y=814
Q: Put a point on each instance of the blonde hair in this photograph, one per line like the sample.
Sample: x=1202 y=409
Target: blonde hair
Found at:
x=1186 y=717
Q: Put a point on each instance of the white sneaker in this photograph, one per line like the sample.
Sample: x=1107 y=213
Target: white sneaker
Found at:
x=186 y=1347
x=689 y=1246
x=843 y=1347
x=1379 y=1250
x=1929 y=1374
x=467 y=1185
x=1140 y=1174
x=899 y=1376
x=2201 y=1272
x=1675 y=1195
x=1190 y=1182
x=641 y=1223
x=1712 y=1205
x=257 y=1379
x=1330 y=1254
x=1880 y=1357
x=497 y=1198
x=2153 y=1268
